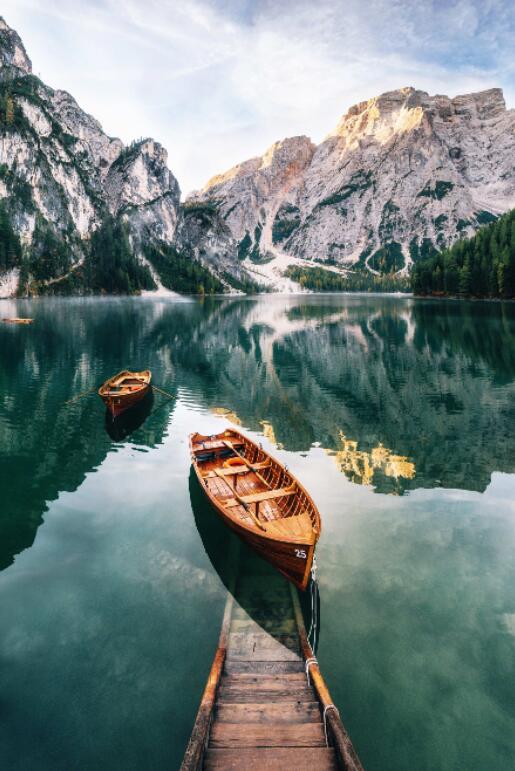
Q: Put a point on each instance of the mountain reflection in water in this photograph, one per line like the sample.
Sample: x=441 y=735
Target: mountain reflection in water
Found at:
x=402 y=393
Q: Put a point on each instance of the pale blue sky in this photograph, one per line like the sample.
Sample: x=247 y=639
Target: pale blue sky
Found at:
x=216 y=82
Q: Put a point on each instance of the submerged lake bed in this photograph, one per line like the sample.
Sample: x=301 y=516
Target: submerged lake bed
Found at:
x=397 y=414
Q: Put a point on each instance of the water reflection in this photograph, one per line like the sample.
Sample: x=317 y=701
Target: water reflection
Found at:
x=128 y=422
x=404 y=394
x=380 y=467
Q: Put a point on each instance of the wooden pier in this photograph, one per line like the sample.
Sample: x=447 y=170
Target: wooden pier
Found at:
x=259 y=710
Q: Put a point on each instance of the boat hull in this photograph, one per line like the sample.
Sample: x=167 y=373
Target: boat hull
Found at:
x=118 y=404
x=124 y=390
x=293 y=557
x=283 y=556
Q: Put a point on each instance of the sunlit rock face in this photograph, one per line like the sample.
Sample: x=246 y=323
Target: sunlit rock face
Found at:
x=400 y=175
x=12 y=51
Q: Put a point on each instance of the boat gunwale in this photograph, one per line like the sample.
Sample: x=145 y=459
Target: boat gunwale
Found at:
x=105 y=389
x=252 y=528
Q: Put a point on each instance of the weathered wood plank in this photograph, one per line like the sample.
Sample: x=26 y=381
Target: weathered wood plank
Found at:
x=285 y=626
x=267 y=495
x=277 y=759
x=260 y=735
x=249 y=695
x=263 y=667
x=262 y=647
x=274 y=713
x=266 y=682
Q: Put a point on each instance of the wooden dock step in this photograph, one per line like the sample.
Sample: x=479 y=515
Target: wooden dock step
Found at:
x=277 y=759
x=241 y=695
x=264 y=667
x=268 y=711
x=259 y=735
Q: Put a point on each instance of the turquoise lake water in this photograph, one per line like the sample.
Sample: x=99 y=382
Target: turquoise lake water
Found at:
x=397 y=414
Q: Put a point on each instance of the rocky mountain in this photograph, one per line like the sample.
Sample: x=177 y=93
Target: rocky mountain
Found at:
x=401 y=175
x=79 y=210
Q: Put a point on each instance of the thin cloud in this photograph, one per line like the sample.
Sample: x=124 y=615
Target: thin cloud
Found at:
x=218 y=82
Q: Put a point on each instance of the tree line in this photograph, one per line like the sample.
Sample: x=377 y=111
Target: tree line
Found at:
x=322 y=280
x=481 y=266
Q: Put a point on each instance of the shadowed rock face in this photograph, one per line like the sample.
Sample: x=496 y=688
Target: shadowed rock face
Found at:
x=404 y=170
x=61 y=168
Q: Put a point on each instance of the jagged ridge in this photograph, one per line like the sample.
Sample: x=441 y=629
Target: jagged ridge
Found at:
x=401 y=175
x=62 y=179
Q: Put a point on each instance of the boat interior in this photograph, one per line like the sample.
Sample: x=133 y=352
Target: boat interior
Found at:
x=126 y=383
x=252 y=487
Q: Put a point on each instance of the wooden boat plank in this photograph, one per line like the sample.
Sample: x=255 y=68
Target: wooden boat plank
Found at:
x=267 y=495
x=213 y=445
x=276 y=759
x=260 y=735
x=299 y=525
x=266 y=712
x=233 y=471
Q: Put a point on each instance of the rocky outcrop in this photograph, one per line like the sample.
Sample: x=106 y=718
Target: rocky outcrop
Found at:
x=62 y=178
x=401 y=174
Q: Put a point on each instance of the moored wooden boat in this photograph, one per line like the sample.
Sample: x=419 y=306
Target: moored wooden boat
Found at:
x=260 y=500
x=124 y=390
x=15 y=320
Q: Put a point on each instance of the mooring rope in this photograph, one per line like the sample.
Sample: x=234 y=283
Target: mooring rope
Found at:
x=309 y=662
x=324 y=718
x=314 y=606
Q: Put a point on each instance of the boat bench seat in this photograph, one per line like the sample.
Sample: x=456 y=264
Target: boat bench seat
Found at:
x=268 y=495
x=229 y=472
x=243 y=469
x=213 y=445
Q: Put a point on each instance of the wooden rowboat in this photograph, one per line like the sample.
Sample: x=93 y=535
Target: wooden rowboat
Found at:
x=15 y=320
x=260 y=500
x=124 y=390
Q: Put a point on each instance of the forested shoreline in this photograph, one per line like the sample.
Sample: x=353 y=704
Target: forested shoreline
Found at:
x=482 y=266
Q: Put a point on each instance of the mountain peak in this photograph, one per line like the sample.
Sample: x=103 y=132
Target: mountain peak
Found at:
x=12 y=50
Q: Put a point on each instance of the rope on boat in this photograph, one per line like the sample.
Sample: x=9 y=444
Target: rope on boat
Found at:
x=313 y=628
x=165 y=393
x=309 y=662
x=324 y=718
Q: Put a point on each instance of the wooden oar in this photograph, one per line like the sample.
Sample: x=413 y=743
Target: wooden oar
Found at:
x=79 y=396
x=246 y=507
x=165 y=393
x=245 y=461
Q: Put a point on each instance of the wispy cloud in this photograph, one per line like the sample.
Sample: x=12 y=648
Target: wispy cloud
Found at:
x=217 y=81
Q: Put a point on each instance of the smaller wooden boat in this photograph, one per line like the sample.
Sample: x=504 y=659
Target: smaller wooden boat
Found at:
x=258 y=498
x=124 y=390
x=14 y=320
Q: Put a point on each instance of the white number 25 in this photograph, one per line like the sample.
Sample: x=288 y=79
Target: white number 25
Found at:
x=300 y=553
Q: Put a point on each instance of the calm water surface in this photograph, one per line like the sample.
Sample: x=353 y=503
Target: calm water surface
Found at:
x=398 y=415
